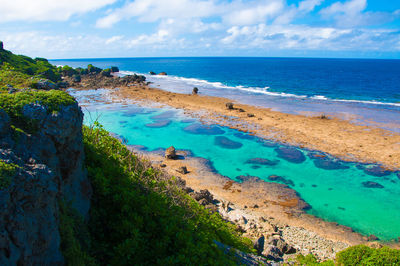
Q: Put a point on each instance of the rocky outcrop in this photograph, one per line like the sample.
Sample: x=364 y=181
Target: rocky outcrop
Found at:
x=170 y=153
x=49 y=169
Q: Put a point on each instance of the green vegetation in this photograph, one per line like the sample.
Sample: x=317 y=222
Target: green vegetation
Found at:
x=10 y=76
x=7 y=171
x=139 y=216
x=311 y=260
x=13 y=105
x=363 y=255
x=39 y=67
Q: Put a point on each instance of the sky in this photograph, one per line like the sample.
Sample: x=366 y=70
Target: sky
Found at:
x=173 y=28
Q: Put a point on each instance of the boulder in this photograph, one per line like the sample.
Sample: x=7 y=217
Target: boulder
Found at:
x=45 y=85
x=259 y=245
x=152 y=73
x=114 y=69
x=106 y=73
x=203 y=194
x=229 y=106
x=170 y=153
x=271 y=252
x=62 y=84
x=162 y=73
x=1 y=46
x=250 y=115
x=183 y=170
x=195 y=91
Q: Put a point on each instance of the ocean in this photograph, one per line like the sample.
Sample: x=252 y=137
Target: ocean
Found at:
x=364 y=91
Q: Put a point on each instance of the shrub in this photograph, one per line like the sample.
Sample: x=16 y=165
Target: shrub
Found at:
x=7 y=171
x=363 y=255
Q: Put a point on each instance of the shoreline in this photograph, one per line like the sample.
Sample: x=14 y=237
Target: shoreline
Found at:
x=286 y=213
x=339 y=138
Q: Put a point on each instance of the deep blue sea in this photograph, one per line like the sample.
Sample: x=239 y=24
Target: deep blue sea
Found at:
x=355 y=89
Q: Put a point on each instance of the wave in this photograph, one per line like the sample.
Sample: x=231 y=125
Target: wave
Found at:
x=193 y=82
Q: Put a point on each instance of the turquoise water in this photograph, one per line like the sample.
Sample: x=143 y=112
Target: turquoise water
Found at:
x=336 y=195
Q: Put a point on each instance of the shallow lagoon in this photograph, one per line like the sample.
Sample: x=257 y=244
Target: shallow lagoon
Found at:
x=343 y=192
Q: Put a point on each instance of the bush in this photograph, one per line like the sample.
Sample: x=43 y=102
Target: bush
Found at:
x=363 y=255
x=140 y=216
x=7 y=171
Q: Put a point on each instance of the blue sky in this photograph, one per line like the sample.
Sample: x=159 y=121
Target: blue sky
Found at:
x=137 y=28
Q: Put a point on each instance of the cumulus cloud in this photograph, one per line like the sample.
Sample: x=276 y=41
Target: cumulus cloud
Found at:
x=45 y=10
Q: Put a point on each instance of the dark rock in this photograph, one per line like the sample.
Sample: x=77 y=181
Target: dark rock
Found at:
x=106 y=73
x=1 y=46
x=271 y=252
x=62 y=84
x=373 y=238
x=152 y=73
x=159 y=123
x=76 y=78
x=163 y=165
x=377 y=170
x=45 y=85
x=170 y=153
x=262 y=161
x=200 y=129
x=255 y=167
x=241 y=110
x=183 y=170
x=162 y=73
x=203 y=194
x=259 y=245
x=250 y=115
x=371 y=184
x=34 y=111
x=241 y=257
x=281 y=179
x=114 y=69
x=4 y=123
x=290 y=154
x=328 y=164
x=229 y=106
x=131 y=79
x=226 y=143
x=195 y=91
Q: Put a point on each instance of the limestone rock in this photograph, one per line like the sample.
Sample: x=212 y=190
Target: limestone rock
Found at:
x=183 y=170
x=170 y=153
x=229 y=106
x=195 y=91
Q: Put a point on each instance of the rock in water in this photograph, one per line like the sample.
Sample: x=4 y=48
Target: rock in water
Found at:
x=195 y=91
x=170 y=153
x=162 y=73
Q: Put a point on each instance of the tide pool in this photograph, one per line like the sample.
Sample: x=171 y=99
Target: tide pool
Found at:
x=363 y=197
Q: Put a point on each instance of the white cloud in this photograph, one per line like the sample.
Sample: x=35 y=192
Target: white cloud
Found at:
x=47 y=10
x=154 y=10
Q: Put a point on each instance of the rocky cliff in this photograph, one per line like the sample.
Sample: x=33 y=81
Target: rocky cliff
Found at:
x=38 y=170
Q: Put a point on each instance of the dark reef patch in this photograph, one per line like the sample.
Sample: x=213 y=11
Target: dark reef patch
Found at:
x=244 y=136
x=255 y=167
x=200 y=129
x=164 y=115
x=159 y=123
x=268 y=144
x=187 y=120
x=226 y=143
x=376 y=170
x=290 y=154
x=371 y=184
x=262 y=161
x=329 y=164
x=281 y=179
x=316 y=155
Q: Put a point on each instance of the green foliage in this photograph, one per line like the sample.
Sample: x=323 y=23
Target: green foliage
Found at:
x=13 y=105
x=7 y=171
x=68 y=71
x=93 y=69
x=10 y=76
x=139 y=216
x=75 y=239
x=311 y=260
x=39 y=67
x=363 y=255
